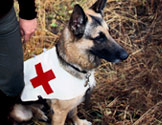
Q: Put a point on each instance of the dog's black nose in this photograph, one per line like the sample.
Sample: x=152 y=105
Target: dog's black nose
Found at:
x=122 y=55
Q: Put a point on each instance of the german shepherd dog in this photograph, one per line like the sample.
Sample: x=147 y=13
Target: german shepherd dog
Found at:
x=85 y=40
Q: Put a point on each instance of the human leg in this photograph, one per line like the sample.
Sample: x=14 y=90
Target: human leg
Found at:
x=11 y=64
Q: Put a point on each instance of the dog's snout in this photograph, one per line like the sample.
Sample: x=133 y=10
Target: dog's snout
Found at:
x=122 y=55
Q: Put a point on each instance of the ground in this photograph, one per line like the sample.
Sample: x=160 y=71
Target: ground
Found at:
x=127 y=93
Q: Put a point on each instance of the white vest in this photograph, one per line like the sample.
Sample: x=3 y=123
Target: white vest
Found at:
x=57 y=83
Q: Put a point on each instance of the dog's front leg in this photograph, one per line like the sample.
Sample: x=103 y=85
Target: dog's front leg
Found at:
x=59 y=117
x=61 y=109
x=60 y=113
x=77 y=120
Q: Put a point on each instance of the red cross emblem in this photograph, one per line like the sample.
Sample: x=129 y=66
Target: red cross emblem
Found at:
x=43 y=78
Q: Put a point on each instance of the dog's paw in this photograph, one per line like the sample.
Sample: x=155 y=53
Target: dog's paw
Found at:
x=21 y=113
x=44 y=117
x=83 y=122
x=39 y=114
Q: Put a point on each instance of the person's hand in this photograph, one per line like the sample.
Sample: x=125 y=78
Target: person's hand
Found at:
x=27 y=28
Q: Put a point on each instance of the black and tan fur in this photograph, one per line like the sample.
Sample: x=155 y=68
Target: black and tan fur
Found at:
x=84 y=41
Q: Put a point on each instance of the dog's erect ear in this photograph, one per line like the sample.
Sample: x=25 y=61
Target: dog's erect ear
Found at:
x=78 y=21
x=98 y=7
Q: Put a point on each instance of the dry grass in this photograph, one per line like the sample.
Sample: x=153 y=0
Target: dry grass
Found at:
x=129 y=92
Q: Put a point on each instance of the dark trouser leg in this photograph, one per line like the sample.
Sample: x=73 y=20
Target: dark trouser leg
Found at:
x=6 y=106
x=11 y=65
x=11 y=56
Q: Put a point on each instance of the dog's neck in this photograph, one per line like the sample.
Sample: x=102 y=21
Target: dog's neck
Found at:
x=65 y=63
x=71 y=68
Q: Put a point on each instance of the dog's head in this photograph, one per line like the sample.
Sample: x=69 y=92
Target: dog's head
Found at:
x=86 y=39
x=90 y=28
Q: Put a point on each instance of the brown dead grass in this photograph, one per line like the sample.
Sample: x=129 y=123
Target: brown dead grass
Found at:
x=128 y=93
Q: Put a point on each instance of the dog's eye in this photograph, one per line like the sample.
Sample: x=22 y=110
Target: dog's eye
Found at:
x=101 y=37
